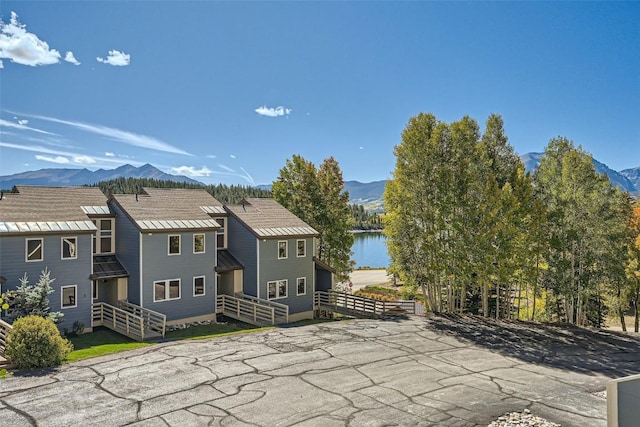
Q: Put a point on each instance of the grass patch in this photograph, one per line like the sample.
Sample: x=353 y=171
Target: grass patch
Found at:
x=99 y=343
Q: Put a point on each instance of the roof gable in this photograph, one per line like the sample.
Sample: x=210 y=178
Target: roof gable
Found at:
x=168 y=209
x=267 y=218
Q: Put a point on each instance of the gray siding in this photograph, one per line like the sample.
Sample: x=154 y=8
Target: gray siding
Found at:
x=158 y=265
x=128 y=250
x=272 y=268
x=65 y=272
x=242 y=244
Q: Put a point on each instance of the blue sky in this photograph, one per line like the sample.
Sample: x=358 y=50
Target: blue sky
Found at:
x=227 y=91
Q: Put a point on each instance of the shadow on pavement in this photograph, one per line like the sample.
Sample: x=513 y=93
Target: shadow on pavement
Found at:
x=560 y=346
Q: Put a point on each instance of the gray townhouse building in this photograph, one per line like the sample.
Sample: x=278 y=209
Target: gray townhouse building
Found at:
x=136 y=263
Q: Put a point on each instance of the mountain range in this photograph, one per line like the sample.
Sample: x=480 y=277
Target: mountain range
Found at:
x=368 y=194
x=72 y=177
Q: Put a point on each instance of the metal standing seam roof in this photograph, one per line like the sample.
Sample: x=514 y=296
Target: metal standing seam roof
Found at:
x=96 y=210
x=177 y=224
x=46 y=226
x=227 y=262
x=107 y=267
x=214 y=209
x=285 y=231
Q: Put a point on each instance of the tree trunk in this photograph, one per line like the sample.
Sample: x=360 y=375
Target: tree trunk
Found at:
x=485 y=299
x=623 y=323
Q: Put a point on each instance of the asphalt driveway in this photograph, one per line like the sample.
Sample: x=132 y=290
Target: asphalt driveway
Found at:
x=443 y=371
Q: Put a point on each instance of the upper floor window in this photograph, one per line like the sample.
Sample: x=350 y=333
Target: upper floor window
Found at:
x=34 y=251
x=198 y=243
x=302 y=248
x=103 y=241
x=282 y=249
x=221 y=242
x=174 y=244
x=69 y=248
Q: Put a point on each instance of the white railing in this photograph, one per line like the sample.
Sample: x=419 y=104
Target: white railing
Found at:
x=4 y=331
x=246 y=311
x=363 y=305
x=281 y=310
x=153 y=320
x=119 y=320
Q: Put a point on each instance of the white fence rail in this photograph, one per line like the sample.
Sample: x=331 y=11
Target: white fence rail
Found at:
x=153 y=320
x=343 y=302
x=246 y=311
x=281 y=310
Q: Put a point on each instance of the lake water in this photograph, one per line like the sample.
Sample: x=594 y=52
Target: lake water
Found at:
x=370 y=250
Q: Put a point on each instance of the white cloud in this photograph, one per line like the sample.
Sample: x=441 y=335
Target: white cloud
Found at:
x=58 y=159
x=273 y=112
x=70 y=58
x=116 y=58
x=1 y=64
x=84 y=160
x=109 y=154
x=248 y=177
x=21 y=125
x=106 y=162
x=361 y=147
x=22 y=47
x=211 y=156
x=118 y=135
x=232 y=156
x=191 y=171
x=227 y=168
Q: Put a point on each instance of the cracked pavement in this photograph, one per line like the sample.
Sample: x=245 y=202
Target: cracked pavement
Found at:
x=440 y=370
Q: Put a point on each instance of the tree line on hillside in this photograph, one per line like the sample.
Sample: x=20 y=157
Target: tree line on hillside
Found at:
x=364 y=220
x=473 y=231
x=226 y=194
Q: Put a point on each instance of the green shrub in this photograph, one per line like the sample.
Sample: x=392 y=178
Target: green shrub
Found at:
x=35 y=342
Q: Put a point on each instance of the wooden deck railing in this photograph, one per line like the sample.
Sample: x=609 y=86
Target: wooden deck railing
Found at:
x=119 y=320
x=246 y=311
x=153 y=320
x=341 y=301
x=4 y=331
x=281 y=310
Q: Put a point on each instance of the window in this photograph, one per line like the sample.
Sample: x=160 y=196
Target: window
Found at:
x=277 y=289
x=69 y=296
x=103 y=239
x=301 y=285
x=174 y=244
x=34 y=250
x=221 y=241
x=302 y=248
x=164 y=290
x=198 y=286
x=198 y=243
x=282 y=249
x=69 y=248
x=95 y=290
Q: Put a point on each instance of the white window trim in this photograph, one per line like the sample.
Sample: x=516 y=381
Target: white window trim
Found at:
x=305 y=286
x=276 y=282
x=204 y=286
x=26 y=250
x=169 y=245
x=62 y=257
x=204 y=243
x=224 y=232
x=75 y=292
x=286 y=249
x=98 y=236
x=166 y=290
x=305 y=248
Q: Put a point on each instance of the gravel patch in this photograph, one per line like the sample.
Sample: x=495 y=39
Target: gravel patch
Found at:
x=522 y=419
